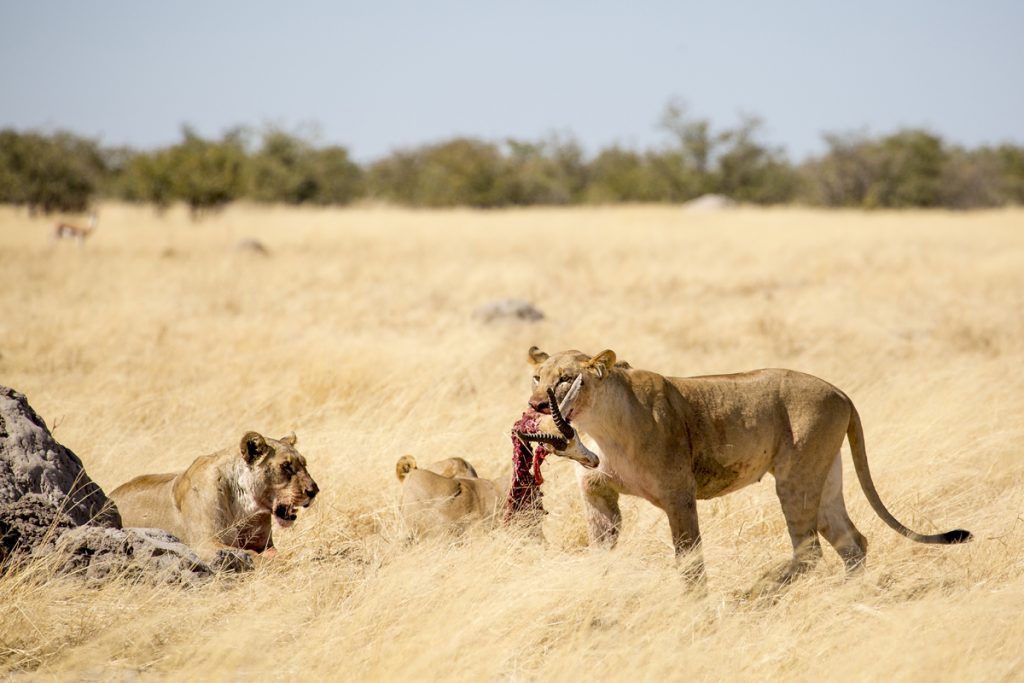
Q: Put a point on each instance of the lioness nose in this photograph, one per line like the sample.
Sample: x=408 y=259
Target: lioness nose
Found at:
x=540 y=406
x=311 y=493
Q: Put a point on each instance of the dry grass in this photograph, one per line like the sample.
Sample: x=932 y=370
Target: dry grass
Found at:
x=156 y=343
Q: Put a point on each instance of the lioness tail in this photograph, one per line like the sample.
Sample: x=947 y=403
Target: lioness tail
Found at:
x=404 y=466
x=855 y=434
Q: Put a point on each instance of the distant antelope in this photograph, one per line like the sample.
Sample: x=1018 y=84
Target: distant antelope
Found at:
x=79 y=233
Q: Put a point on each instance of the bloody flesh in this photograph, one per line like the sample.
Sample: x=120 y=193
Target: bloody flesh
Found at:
x=524 y=493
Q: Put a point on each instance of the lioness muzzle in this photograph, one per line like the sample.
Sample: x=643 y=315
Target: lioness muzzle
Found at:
x=560 y=442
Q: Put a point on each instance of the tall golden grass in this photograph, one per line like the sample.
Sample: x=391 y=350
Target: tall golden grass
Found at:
x=157 y=342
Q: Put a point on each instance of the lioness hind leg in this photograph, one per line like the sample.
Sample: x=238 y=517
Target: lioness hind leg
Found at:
x=800 y=497
x=800 y=508
x=806 y=553
x=600 y=506
x=801 y=472
x=834 y=523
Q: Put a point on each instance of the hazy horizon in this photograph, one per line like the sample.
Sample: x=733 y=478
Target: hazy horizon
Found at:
x=389 y=76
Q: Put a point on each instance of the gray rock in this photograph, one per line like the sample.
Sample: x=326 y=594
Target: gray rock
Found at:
x=508 y=309
x=34 y=529
x=251 y=246
x=28 y=523
x=50 y=510
x=31 y=461
x=100 y=553
x=710 y=202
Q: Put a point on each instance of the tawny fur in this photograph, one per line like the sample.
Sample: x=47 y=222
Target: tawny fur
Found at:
x=449 y=467
x=446 y=495
x=223 y=500
x=79 y=233
x=674 y=440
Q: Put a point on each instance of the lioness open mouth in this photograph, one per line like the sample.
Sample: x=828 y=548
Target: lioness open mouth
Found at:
x=284 y=515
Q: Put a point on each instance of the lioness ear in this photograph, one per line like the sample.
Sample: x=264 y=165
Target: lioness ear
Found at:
x=289 y=439
x=253 y=446
x=602 y=362
x=536 y=356
x=404 y=466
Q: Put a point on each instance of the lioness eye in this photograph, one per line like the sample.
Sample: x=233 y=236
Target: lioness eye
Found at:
x=536 y=380
x=286 y=468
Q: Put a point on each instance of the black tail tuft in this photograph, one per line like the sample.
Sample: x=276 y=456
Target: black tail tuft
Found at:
x=957 y=536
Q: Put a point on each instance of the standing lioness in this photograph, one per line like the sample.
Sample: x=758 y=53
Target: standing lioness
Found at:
x=223 y=500
x=673 y=440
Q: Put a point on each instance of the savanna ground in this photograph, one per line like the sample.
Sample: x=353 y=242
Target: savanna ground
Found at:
x=157 y=342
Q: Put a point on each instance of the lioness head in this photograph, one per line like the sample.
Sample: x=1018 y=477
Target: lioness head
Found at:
x=565 y=390
x=278 y=477
x=560 y=371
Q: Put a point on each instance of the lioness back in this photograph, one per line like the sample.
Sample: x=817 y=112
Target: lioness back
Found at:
x=147 y=501
x=450 y=467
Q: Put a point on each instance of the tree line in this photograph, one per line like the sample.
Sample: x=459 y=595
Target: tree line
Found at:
x=907 y=168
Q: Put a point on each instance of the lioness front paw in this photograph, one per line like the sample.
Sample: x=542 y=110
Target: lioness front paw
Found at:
x=232 y=560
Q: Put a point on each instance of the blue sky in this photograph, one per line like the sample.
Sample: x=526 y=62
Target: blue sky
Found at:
x=374 y=76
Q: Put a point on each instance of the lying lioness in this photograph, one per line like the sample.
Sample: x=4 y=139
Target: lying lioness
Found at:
x=446 y=495
x=676 y=440
x=224 y=500
x=450 y=467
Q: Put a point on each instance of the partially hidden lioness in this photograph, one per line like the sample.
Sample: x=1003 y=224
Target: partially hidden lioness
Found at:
x=446 y=495
x=224 y=500
x=449 y=467
x=673 y=440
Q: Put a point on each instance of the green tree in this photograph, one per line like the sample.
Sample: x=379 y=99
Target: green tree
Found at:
x=548 y=172
x=686 y=164
x=334 y=177
x=278 y=172
x=395 y=177
x=622 y=175
x=972 y=179
x=844 y=174
x=733 y=162
x=749 y=171
x=55 y=173
x=1011 y=169
x=148 y=177
x=206 y=174
x=459 y=172
x=910 y=171
x=904 y=169
x=462 y=171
